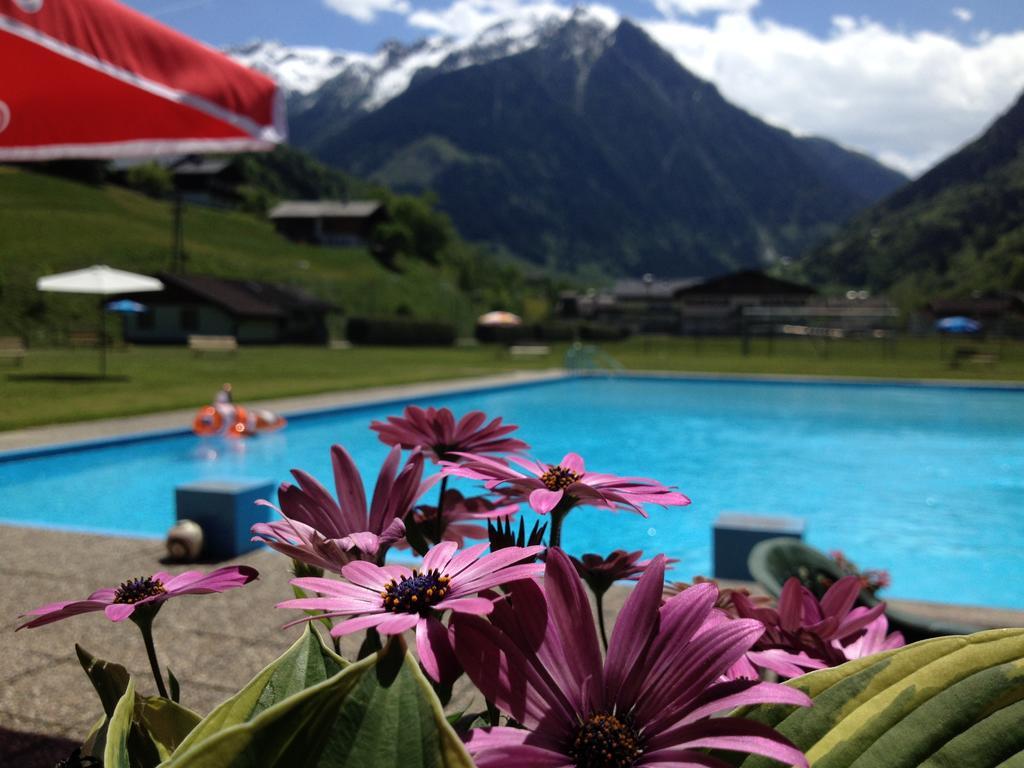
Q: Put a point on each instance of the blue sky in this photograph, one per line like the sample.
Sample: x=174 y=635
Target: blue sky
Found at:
x=313 y=22
x=906 y=81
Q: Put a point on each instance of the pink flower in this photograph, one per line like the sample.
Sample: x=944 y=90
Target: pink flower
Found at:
x=439 y=436
x=326 y=533
x=558 y=488
x=119 y=603
x=647 y=703
x=601 y=572
x=393 y=598
x=463 y=518
x=874 y=640
x=804 y=633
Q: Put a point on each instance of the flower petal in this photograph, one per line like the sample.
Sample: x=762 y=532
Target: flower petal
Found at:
x=52 y=612
x=504 y=675
x=634 y=627
x=543 y=501
x=220 y=580
x=478 y=606
x=570 y=614
x=366 y=575
x=119 y=611
x=573 y=462
x=435 y=651
x=397 y=623
x=349 y=486
x=357 y=624
x=731 y=733
x=439 y=556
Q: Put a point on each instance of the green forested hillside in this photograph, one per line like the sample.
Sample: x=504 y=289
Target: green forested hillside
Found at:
x=959 y=228
x=596 y=148
x=51 y=224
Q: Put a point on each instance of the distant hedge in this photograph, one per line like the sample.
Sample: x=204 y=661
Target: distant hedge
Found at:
x=558 y=331
x=399 y=332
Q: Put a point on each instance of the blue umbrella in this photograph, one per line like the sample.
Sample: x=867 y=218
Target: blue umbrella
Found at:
x=127 y=306
x=958 y=324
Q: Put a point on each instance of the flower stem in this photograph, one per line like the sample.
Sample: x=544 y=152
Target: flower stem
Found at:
x=439 y=529
x=145 y=625
x=600 y=618
x=557 y=516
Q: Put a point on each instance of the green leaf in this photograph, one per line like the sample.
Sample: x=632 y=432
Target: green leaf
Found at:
x=110 y=680
x=157 y=725
x=307 y=663
x=950 y=701
x=164 y=723
x=115 y=754
x=95 y=741
x=175 y=687
x=378 y=712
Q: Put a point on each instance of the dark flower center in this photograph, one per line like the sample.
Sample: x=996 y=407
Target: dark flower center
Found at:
x=134 y=590
x=604 y=741
x=558 y=478
x=415 y=594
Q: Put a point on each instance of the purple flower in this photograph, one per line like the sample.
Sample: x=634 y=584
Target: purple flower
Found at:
x=876 y=638
x=803 y=633
x=462 y=517
x=393 y=598
x=568 y=483
x=601 y=572
x=326 y=533
x=119 y=603
x=439 y=436
x=648 y=703
x=558 y=488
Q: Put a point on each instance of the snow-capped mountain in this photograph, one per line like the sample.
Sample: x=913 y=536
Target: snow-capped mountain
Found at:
x=373 y=79
x=572 y=138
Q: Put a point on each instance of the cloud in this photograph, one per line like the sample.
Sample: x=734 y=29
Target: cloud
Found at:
x=466 y=18
x=964 y=14
x=366 y=10
x=907 y=98
x=672 y=8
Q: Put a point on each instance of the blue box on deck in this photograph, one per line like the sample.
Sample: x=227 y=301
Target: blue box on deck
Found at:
x=735 y=535
x=225 y=510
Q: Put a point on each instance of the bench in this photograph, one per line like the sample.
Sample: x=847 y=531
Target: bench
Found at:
x=201 y=344
x=83 y=339
x=12 y=348
x=529 y=350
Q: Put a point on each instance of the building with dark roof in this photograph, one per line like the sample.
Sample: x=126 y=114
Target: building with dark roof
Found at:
x=253 y=312
x=328 y=222
x=716 y=305
x=691 y=305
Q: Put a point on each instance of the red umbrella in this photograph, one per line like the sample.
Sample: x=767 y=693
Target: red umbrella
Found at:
x=96 y=79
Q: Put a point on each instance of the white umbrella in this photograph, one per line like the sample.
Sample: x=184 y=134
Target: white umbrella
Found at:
x=499 y=317
x=99 y=280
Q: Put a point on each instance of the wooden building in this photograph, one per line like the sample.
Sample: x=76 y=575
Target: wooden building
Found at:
x=716 y=306
x=328 y=222
x=251 y=311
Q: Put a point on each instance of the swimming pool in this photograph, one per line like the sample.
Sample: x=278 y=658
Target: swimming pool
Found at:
x=926 y=482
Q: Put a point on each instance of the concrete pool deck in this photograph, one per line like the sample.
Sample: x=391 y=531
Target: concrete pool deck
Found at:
x=181 y=419
x=213 y=643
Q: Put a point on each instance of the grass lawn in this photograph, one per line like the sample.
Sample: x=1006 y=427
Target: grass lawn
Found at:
x=161 y=378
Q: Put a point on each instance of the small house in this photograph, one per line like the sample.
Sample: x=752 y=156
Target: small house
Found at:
x=716 y=305
x=328 y=222
x=253 y=312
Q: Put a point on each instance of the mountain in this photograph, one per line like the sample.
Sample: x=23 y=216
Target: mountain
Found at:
x=958 y=228
x=573 y=142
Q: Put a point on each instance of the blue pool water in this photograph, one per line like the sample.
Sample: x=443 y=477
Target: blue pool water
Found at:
x=926 y=482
